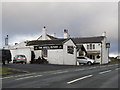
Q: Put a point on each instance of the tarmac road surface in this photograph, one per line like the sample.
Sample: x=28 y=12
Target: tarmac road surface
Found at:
x=96 y=76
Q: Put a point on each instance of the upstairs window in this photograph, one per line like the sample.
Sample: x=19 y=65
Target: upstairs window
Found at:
x=93 y=46
x=90 y=46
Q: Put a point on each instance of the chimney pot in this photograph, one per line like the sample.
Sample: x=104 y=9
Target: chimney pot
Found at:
x=66 y=35
x=44 y=27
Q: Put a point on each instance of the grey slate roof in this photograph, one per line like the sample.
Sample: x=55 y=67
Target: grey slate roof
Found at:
x=88 y=40
x=61 y=41
x=46 y=42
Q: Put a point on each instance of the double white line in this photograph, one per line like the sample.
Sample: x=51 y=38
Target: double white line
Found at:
x=105 y=71
x=17 y=76
x=28 y=77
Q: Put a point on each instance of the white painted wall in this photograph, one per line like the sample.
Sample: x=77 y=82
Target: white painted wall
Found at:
x=60 y=56
x=97 y=48
x=22 y=51
x=105 y=58
x=55 y=56
x=69 y=59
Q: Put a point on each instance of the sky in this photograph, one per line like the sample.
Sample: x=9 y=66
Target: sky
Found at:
x=25 y=20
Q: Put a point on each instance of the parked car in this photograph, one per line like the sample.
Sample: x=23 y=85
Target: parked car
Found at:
x=20 y=59
x=5 y=56
x=85 y=60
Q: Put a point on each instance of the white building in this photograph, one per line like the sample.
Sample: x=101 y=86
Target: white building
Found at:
x=118 y=57
x=96 y=47
x=58 y=51
x=65 y=50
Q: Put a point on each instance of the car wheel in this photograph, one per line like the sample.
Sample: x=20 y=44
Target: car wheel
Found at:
x=25 y=62
x=89 y=63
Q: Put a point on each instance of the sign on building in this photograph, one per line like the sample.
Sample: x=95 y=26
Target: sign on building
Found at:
x=70 y=49
x=48 y=47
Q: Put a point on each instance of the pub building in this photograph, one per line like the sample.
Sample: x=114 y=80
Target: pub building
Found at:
x=64 y=50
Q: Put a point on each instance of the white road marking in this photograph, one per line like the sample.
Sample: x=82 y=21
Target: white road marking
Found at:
x=17 y=76
x=116 y=64
x=92 y=67
x=28 y=77
x=25 y=75
x=38 y=76
x=79 y=69
x=103 y=66
x=110 y=65
x=105 y=72
x=60 y=72
x=7 y=77
x=117 y=68
x=79 y=79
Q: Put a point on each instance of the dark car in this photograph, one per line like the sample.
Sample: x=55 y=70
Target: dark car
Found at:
x=20 y=59
x=5 y=56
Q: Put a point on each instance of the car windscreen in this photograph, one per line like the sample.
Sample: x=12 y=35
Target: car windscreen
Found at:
x=20 y=56
x=80 y=58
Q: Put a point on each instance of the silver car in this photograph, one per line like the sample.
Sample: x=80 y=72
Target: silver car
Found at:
x=20 y=59
x=85 y=60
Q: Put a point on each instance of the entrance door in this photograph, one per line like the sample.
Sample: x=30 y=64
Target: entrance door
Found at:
x=44 y=52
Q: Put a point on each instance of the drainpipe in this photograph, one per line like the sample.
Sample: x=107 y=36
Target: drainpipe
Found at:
x=101 y=53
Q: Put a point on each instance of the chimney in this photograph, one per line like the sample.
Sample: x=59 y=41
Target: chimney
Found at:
x=66 y=35
x=6 y=41
x=104 y=34
x=16 y=43
x=44 y=33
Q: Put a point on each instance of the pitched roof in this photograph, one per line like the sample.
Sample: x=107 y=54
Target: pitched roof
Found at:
x=61 y=41
x=82 y=40
x=51 y=37
x=46 y=42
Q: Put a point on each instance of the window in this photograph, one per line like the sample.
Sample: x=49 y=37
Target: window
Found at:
x=90 y=46
x=70 y=49
x=44 y=52
x=93 y=46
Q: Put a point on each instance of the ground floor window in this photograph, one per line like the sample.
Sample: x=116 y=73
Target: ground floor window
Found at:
x=44 y=52
x=91 y=56
x=81 y=53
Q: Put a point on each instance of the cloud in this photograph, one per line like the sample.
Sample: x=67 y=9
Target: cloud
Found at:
x=23 y=20
x=21 y=38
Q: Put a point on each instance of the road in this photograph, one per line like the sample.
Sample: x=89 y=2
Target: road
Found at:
x=98 y=76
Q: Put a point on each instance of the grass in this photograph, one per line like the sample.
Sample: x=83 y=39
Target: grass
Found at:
x=115 y=60
x=4 y=70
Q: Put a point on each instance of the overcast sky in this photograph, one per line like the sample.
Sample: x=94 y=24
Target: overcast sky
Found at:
x=25 y=20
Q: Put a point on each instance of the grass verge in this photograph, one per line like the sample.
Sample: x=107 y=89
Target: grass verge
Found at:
x=5 y=70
